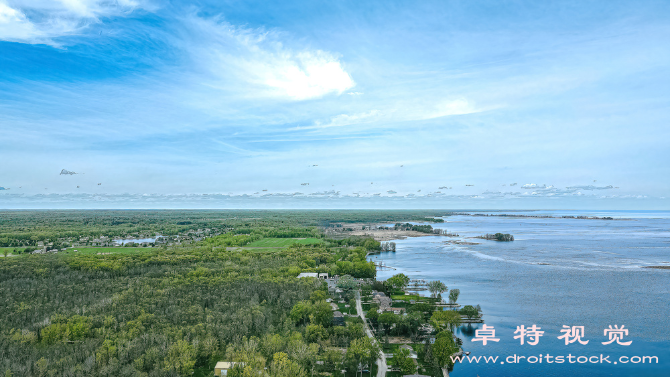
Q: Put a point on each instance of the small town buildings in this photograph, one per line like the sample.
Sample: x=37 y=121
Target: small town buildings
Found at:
x=397 y=311
x=321 y=275
x=222 y=367
x=381 y=299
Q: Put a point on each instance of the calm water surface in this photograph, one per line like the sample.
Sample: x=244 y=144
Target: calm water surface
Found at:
x=557 y=272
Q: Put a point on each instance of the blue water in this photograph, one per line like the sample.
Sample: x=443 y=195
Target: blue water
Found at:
x=557 y=272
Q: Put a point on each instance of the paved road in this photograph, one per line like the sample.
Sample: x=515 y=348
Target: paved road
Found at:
x=381 y=362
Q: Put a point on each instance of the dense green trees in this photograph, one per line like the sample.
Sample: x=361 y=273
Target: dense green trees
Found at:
x=282 y=366
x=443 y=348
x=469 y=311
x=436 y=287
x=504 y=237
x=175 y=311
x=346 y=283
x=387 y=319
x=416 y=228
x=362 y=351
x=402 y=360
x=160 y=312
x=445 y=319
x=398 y=281
x=453 y=295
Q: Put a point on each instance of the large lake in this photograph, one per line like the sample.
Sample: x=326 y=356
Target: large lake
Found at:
x=557 y=272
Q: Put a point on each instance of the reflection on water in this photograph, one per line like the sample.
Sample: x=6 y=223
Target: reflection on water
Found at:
x=557 y=272
x=467 y=332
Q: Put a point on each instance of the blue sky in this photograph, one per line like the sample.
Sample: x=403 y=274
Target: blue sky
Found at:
x=446 y=104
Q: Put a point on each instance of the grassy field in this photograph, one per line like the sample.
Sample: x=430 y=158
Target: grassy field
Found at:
x=255 y=250
x=407 y=297
x=283 y=242
x=8 y=250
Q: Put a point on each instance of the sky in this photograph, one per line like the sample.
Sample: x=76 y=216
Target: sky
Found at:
x=335 y=104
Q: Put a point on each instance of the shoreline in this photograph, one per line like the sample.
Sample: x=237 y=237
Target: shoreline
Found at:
x=538 y=216
x=385 y=234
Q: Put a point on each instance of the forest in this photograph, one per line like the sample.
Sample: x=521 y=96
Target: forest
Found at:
x=177 y=310
x=20 y=229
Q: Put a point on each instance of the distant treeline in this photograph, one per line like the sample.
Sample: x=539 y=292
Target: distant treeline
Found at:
x=27 y=228
x=537 y=216
x=416 y=228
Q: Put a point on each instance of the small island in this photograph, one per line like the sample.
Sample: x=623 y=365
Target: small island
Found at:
x=503 y=237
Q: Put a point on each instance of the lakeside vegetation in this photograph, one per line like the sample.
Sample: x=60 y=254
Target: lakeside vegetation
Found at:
x=502 y=237
x=175 y=310
x=414 y=227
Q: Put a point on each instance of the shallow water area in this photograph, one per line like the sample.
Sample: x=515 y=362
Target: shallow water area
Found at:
x=558 y=271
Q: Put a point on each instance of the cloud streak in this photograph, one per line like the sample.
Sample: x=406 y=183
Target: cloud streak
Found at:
x=259 y=60
x=43 y=22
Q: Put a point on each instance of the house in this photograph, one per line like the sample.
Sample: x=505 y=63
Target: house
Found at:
x=397 y=310
x=308 y=275
x=222 y=367
x=338 y=318
x=323 y=275
x=381 y=299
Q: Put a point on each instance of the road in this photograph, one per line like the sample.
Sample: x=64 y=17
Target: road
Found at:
x=381 y=361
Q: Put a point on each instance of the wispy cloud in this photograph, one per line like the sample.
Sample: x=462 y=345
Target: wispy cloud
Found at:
x=444 y=108
x=261 y=62
x=341 y=121
x=41 y=22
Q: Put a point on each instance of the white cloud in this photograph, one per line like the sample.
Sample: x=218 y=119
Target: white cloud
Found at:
x=341 y=120
x=452 y=107
x=39 y=22
x=14 y=26
x=303 y=75
x=432 y=108
x=258 y=58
